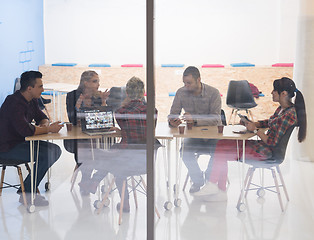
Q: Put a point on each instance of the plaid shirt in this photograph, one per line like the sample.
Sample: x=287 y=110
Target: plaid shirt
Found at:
x=278 y=124
x=132 y=121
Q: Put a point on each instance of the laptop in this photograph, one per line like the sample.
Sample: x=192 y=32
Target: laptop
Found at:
x=97 y=120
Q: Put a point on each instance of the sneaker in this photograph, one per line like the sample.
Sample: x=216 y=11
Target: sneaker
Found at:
x=39 y=201
x=221 y=196
x=195 y=188
x=208 y=189
x=126 y=207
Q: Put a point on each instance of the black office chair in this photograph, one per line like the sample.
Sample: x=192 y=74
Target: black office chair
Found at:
x=4 y=163
x=271 y=164
x=116 y=97
x=240 y=97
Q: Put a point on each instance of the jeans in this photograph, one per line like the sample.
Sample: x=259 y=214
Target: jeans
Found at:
x=193 y=147
x=49 y=153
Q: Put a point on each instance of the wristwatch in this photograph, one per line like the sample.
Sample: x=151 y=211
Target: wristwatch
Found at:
x=255 y=131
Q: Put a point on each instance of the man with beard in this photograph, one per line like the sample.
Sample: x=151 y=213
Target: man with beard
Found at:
x=202 y=107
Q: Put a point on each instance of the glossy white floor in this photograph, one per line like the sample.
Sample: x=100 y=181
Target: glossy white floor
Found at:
x=71 y=216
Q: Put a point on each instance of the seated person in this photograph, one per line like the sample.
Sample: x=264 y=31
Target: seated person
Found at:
x=86 y=95
x=285 y=116
x=16 y=116
x=202 y=106
x=130 y=156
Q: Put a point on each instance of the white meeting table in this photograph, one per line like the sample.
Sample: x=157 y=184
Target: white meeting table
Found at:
x=166 y=135
x=163 y=132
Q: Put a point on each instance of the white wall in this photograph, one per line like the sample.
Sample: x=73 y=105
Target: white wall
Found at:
x=189 y=32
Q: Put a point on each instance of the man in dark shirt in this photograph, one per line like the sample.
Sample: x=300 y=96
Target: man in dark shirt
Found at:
x=16 y=116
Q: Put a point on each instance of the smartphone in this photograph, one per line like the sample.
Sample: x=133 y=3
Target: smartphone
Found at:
x=240 y=132
x=244 y=118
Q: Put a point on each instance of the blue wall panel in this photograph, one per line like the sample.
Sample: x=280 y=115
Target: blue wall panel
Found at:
x=21 y=40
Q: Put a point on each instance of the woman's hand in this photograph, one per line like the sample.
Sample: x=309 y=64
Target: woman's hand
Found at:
x=104 y=96
x=79 y=101
x=250 y=126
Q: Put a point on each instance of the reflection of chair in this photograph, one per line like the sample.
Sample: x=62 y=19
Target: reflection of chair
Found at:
x=223 y=121
x=4 y=163
x=240 y=97
x=278 y=157
x=116 y=97
x=139 y=185
x=125 y=168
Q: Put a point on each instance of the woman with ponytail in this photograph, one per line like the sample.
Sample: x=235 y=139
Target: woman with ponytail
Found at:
x=288 y=114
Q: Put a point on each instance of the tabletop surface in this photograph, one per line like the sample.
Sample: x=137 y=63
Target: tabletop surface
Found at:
x=75 y=133
x=163 y=131
x=211 y=132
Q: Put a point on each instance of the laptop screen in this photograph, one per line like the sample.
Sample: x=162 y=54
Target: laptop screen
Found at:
x=97 y=118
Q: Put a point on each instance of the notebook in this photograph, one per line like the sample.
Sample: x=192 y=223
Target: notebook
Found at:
x=97 y=120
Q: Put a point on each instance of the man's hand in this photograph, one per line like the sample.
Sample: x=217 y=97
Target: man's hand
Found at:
x=187 y=117
x=55 y=127
x=44 y=123
x=174 y=122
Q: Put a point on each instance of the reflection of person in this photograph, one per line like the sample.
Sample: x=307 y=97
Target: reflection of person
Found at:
x=285 y=116
x=86 y=95
x=202 y=106
x=208 y=220
x=131 y=117
x=16 y=116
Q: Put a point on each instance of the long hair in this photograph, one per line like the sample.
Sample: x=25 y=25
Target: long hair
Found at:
x=286 y=84
x=86 y=76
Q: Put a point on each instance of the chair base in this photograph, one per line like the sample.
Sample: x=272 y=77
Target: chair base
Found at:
x=261 y=188
x=134 y=189
x=19 y=172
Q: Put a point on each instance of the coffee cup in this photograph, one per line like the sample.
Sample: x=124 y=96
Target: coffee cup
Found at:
x=69 y=126
x=181 y=129
x=189 y=125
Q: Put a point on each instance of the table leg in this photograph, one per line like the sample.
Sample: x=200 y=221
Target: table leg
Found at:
x=31 y=207
x=167 y=166
x=241 y=205
x=177 y=200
